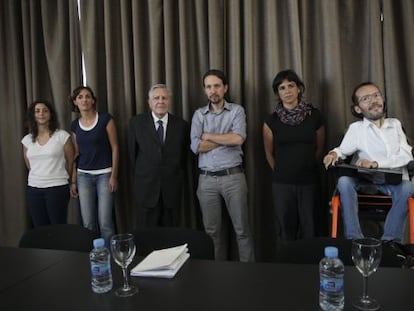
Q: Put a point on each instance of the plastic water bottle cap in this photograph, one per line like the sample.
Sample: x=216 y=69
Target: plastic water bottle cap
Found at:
x=97 y=243
x=331 y=252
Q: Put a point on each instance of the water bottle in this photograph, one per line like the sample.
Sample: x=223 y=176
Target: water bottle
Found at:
x=100 y=260
x=331 y=275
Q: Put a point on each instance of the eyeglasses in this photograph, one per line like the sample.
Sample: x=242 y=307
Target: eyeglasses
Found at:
x=367 y=98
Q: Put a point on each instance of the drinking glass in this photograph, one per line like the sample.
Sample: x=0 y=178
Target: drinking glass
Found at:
x=123 y=252
x=366 y=255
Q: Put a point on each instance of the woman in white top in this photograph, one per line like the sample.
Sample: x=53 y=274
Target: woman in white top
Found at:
x=48 y=153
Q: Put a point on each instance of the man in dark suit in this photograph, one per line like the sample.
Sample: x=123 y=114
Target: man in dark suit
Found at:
x=158 y=145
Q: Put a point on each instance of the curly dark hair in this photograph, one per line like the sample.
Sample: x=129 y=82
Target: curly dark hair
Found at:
x=75 y=94
x=31 y=120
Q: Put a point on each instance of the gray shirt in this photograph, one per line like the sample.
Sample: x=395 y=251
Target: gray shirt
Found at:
x=231 y=119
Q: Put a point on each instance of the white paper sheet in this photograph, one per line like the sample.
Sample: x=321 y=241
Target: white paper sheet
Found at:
x=162 y=263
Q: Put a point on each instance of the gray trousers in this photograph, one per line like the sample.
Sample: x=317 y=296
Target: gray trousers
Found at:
x=233 y=189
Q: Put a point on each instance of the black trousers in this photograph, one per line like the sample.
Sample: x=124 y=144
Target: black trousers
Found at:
x=158 y=216
x=294 y=207
x=48 y=205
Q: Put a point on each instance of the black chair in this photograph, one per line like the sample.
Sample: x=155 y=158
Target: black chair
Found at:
x=62 y=236
x=311 y=251
x=200 y=245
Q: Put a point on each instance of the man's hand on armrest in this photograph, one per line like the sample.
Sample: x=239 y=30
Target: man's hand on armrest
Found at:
x=367 y=163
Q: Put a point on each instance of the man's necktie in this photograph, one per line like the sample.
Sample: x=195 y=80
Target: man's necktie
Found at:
x=160 y=131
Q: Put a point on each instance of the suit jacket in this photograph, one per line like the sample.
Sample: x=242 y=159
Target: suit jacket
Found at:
x=158 y=169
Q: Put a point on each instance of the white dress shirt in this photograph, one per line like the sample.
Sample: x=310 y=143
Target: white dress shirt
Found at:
x=387 y=145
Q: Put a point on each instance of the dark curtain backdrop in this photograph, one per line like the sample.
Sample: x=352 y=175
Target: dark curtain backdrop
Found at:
x=39 y=59
x=129 y=45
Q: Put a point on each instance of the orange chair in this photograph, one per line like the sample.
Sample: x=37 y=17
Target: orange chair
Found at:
x=380 y=201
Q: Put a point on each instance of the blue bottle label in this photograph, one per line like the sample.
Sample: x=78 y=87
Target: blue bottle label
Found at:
x=100 y=270
x=330 y=285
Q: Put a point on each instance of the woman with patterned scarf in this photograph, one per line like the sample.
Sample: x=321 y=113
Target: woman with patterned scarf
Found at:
x=293 y=136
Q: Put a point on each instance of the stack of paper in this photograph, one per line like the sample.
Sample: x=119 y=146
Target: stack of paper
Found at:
x=163 y=263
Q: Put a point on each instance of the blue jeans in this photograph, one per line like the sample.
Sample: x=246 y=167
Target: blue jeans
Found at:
x=396 y=217
x=233 y=189
x=96 y=203
x=48 y=205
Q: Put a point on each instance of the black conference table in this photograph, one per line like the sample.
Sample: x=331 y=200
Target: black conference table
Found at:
x=34 y=279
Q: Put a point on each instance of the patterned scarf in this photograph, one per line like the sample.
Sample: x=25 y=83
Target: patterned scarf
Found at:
x=294 y=116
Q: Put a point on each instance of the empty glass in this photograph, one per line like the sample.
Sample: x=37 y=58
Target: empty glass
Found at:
x=123 y=252
x=366 y=255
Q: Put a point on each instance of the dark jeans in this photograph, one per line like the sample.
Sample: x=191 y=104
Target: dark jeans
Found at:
x=48 y=205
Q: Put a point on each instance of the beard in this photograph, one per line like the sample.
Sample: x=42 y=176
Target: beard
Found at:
x=214 y=99
x=374 y=112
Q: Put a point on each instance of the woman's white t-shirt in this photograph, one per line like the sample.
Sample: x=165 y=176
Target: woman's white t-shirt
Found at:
x=47 y=162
